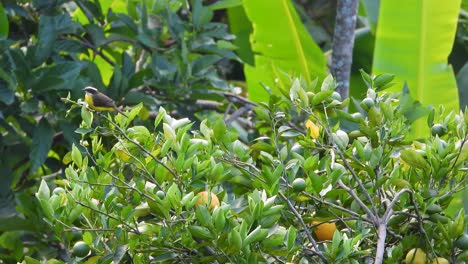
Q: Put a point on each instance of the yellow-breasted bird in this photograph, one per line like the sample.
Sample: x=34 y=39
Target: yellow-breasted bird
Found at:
x=99 y=101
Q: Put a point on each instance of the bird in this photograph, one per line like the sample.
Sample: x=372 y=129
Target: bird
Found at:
x=99 y=101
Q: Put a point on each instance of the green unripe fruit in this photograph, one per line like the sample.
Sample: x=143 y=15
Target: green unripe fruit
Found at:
x=367 y=103
x=299 y=185
x=462 y=242
x=80 y=249
x=433 y=209
x=58 y=190
x=161 y=194
x=439 y=130
x=336 y=96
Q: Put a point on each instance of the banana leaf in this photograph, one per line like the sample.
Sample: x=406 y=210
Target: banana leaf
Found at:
x=414 y=39
x=281 y=44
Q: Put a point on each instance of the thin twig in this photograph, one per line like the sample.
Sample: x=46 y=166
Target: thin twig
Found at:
x=356 y=178
x=388 y=213
x=141 y=147
x=360 y=203
x=338 y=207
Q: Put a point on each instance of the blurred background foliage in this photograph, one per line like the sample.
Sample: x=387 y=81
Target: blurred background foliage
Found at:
x=183 y=55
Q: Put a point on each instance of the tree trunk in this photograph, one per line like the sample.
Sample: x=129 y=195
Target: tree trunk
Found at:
x=343 y=43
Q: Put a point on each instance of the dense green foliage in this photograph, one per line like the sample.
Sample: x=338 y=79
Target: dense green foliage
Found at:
x=132 y=196
x=99 y=187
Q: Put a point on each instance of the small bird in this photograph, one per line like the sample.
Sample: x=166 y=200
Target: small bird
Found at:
x=99 y=101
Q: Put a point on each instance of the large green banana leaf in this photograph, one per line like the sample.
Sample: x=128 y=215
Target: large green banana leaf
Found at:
x=281 y=44
x=414 y=40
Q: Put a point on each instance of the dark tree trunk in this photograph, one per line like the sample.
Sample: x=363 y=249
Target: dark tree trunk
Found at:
x=343 y=43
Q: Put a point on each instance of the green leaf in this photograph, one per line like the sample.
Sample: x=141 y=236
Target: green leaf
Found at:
x=219 y=219
x=405 y=47
x=203 y=215
x=87 y=116
x=282 y=45
x=321 y=96
x=50 y=27
x=3 y=23
x=462 y=81
x=76 y=156
x=240 y=25
x=328 y=84
x=200 y=232
x=223 y=4
x=235 y=241
x=174 y=195
x=372 y=12
x=257 y=234
x=201 y=15
x=41 y=143
x=291 y=237
x=458 y=225
x=414 y=159
x=43 y=195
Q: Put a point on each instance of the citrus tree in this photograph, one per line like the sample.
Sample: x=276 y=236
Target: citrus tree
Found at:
x=312 y=182
x=157 y=52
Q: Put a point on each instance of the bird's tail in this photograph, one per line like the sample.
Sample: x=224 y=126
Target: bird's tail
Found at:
x=120 y=111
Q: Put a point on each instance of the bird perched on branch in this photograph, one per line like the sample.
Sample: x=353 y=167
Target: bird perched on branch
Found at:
x=99 y=101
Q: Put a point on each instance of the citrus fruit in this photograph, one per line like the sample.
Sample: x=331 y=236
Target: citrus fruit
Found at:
x=440 y=261
x=299 y=184
x=161 y=194
x=204 y=199
x=367 y=103
x=324 y=231
x=80 y=249
x=462 y=242
x=438 y=129
x=416 y=256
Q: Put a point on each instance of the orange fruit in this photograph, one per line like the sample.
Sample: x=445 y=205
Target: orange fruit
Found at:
x=324 y=231
x=204 y=199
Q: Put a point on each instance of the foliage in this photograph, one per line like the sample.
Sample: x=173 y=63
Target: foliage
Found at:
x=81 y=186
x=281 y=44
x=130 y=193
x=156 y=52
x=405 y=47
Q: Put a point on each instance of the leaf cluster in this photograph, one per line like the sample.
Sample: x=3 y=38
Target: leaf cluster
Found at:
x=135 y=196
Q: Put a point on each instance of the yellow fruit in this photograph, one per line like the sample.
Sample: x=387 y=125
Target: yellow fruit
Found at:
x=205 y=200
x=416 y=256
x=324 y=231
x=313 y=128
x=440 y=261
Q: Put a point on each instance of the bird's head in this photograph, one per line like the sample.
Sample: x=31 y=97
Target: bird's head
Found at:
x=90 y=90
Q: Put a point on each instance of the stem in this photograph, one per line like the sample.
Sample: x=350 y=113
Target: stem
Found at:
x=382 y=229
x=369 y=213
x=382 y=234
x=356 y=178
x=389 y=211
x=141 y=147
